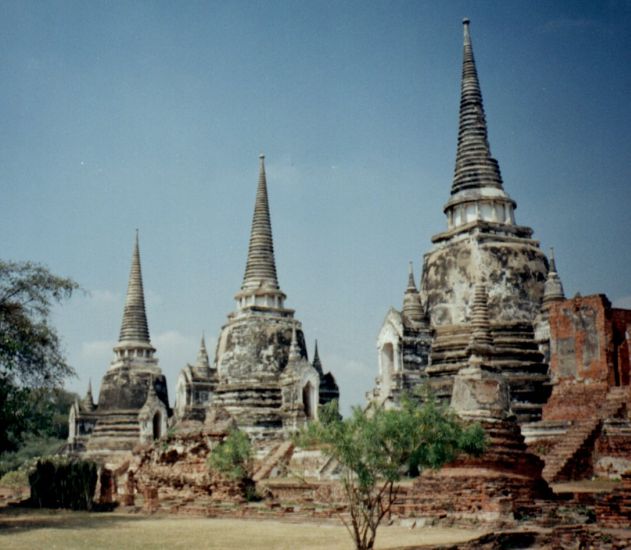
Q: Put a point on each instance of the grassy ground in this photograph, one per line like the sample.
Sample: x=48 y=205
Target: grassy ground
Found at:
x=25 y=529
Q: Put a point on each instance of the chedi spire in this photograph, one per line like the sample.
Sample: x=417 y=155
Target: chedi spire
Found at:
x=477 y=193
x=88 y=400
x=412 y=307
x=481 y=342
x=260 y=290
x=475 y=167
x=202 y=355
x=261 y=266
x=553 y=288
x=316 y=363
x=134 y=327
x=294 y=349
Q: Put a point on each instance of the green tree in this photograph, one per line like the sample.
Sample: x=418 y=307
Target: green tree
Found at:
x=30 y=351
x=232 y=458
x=376 y=447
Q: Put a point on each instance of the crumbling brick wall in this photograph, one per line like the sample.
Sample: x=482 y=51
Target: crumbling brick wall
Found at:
x=589 y=343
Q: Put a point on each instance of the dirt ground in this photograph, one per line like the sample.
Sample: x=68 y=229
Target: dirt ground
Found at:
x=48 y=529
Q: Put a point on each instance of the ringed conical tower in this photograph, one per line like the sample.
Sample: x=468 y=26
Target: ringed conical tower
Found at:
x=260 y=290
x=255 y=345
x=484 y=242
x=133 y=403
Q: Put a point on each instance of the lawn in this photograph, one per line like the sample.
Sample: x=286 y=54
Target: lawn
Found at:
x=27 y=529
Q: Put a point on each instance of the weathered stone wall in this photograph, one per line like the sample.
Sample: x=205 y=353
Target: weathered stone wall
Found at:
x=256 y=346
x=127 y=387
x=264 y=381
x=514 y=270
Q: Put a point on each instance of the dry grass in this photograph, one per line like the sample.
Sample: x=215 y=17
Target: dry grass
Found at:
x=24 y=529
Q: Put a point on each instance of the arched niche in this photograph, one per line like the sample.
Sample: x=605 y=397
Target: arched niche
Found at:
x=309 y=400
x=157 y=425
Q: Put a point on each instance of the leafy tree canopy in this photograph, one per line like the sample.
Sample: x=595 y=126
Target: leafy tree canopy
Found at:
x=376 y=447
x=31 y=358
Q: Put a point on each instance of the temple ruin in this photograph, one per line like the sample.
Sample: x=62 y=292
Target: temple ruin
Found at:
x=489 y=330
x=260 y=375
x=482 y=242
x=194 y=388
x=566 y=362
x=133 y=405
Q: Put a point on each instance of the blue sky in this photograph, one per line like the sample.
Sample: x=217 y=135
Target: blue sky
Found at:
x=151 y=115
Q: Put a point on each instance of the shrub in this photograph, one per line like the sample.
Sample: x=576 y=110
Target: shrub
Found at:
x=15 y=479
x=63 y=483
x=232 y=458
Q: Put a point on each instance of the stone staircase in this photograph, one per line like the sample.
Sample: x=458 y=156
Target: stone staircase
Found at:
x=277 y=455
x=568 y=455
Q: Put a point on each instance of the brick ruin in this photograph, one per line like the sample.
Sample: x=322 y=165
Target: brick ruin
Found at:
x=586 y=426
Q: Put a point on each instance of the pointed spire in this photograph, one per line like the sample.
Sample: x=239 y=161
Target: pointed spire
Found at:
x=412 y=307
x=134 y=327
x=481 y=342
x=411 y=282
x=294 y=350
x=475 y=167
x=261 y=266
x=553 y=288
x=202 y=356
x=553 y=265
x=88 y=400
x=317 y=364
